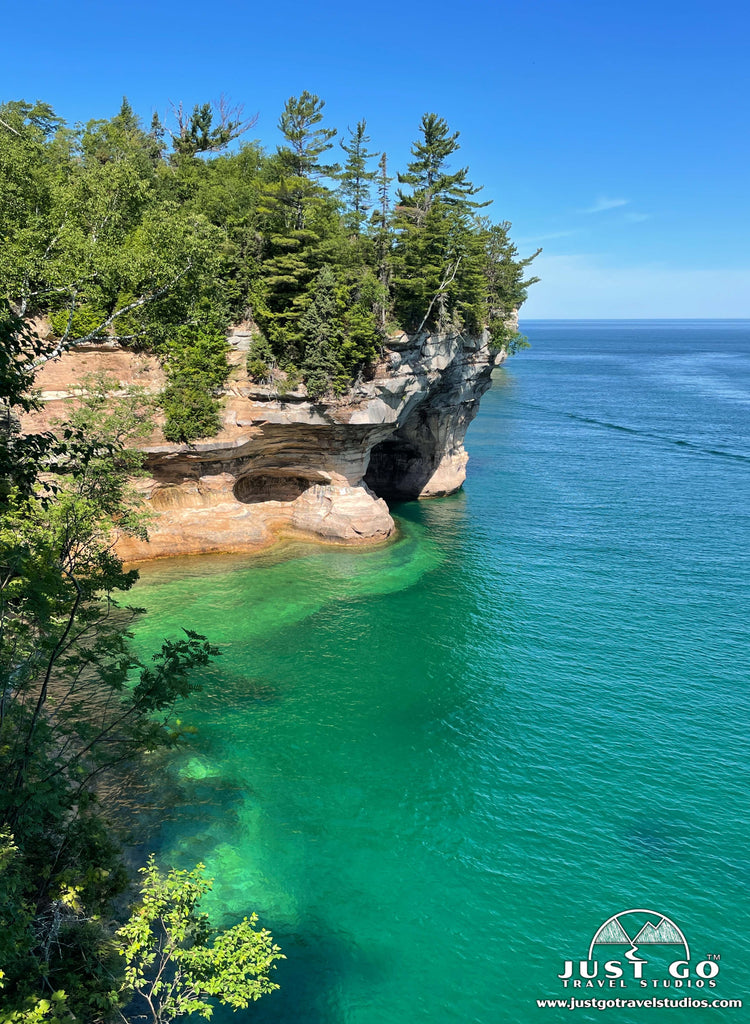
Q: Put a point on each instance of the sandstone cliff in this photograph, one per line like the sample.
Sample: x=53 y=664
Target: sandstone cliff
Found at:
x=286 y=465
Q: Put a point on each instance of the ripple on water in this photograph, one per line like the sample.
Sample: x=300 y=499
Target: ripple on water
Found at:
x=435 y=768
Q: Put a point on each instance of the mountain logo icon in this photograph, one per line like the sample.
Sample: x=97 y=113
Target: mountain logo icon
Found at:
x=640 y=948
x=634 y=928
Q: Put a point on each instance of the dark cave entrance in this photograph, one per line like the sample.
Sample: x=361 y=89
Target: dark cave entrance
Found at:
x=397 y=470
x=273 y=485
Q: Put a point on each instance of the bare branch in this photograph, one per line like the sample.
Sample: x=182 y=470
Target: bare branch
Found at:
x=209 y=127
x=10 y=128
x=42 y=699
x=443 y=285
x=233 y=115
x=64 y=344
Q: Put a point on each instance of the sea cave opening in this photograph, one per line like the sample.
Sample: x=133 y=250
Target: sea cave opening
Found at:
x=396 y=470
x=273 y=485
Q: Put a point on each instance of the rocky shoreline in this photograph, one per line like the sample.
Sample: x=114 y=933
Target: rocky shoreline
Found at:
x=283 y=465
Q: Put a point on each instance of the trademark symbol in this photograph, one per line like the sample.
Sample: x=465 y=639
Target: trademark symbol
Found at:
x=713 y=956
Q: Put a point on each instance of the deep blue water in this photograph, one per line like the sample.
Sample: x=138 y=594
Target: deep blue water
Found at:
x=435 y=769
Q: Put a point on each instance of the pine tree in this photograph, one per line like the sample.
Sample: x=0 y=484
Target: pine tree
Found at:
x=428 y=176
x=384 y=195
x=300 y=158
x=282 y=293
x=322 y=332
x=156 y=136
x=208 y=128
x=299 y=215
x=434 y=224
x=383 y=239
x=506 y=284
x=355 y=177
x=126 y=119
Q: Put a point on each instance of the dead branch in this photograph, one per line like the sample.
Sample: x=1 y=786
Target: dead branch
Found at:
x=66 y=342
x=443 y=285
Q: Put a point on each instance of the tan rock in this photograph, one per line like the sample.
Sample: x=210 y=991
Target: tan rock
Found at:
x=285 y=464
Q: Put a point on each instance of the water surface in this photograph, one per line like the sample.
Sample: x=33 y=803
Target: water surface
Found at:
x=435 y=768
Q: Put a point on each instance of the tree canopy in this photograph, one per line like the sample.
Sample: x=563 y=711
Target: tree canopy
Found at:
x=161 y=237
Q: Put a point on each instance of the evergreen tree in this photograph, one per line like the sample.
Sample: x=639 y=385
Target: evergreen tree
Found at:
x=384 y=194
x=322 y=332
x=119 y=139
x=428 y=176
x=301 y=223
x=208 y=128
x=356 y=178
x=434 y=224
x=300 y=157
x=507 y=285
x=383 y=239
x=107 y=236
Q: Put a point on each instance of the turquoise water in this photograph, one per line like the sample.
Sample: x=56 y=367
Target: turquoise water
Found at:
x=436 y=768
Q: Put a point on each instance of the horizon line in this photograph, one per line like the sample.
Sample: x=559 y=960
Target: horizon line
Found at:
x=641 y=319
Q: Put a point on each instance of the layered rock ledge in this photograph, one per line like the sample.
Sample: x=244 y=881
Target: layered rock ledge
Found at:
x=291 y=466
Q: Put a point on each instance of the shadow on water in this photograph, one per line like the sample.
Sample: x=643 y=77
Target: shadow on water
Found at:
x=320 y=966
x=654 y=838
x=186 y=798
x=678 y=442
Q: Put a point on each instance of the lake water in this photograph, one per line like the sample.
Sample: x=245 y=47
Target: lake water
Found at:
x=435 y=769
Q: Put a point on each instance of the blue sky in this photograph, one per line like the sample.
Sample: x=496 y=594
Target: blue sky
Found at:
x=614 y=135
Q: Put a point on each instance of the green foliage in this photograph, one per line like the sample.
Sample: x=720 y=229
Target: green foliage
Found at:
x=428 y=176
x=291 y=380
x=283 y=294
x=207 y=129
x=300 y=224
x=19 y=345
x=114 y=232
x=83 y=321
x=504 y=338
x=299 y=158
x=322 y=331
x=355 y=177
x=158 y=240
x=175 y=961
x=260 y=359
x=111 y=415
x=362 y=338
x=438 y=271
x=52 y=1010
x=196 y=366
x=340 y=336
x=191 y=411
x=507 y=284
x=74 y=700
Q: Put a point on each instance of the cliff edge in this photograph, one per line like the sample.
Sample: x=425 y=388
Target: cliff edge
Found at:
x=289 y=465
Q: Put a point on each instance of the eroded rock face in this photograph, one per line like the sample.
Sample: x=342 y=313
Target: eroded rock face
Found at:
x=322 y=470
x=425 y=456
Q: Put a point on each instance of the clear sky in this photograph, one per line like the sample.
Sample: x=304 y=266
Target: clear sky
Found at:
x=614 y=135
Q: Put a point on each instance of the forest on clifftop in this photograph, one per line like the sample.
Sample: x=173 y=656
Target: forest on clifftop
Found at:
x=163 y=237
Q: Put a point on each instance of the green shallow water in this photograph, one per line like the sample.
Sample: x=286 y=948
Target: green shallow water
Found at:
x=435 y=768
